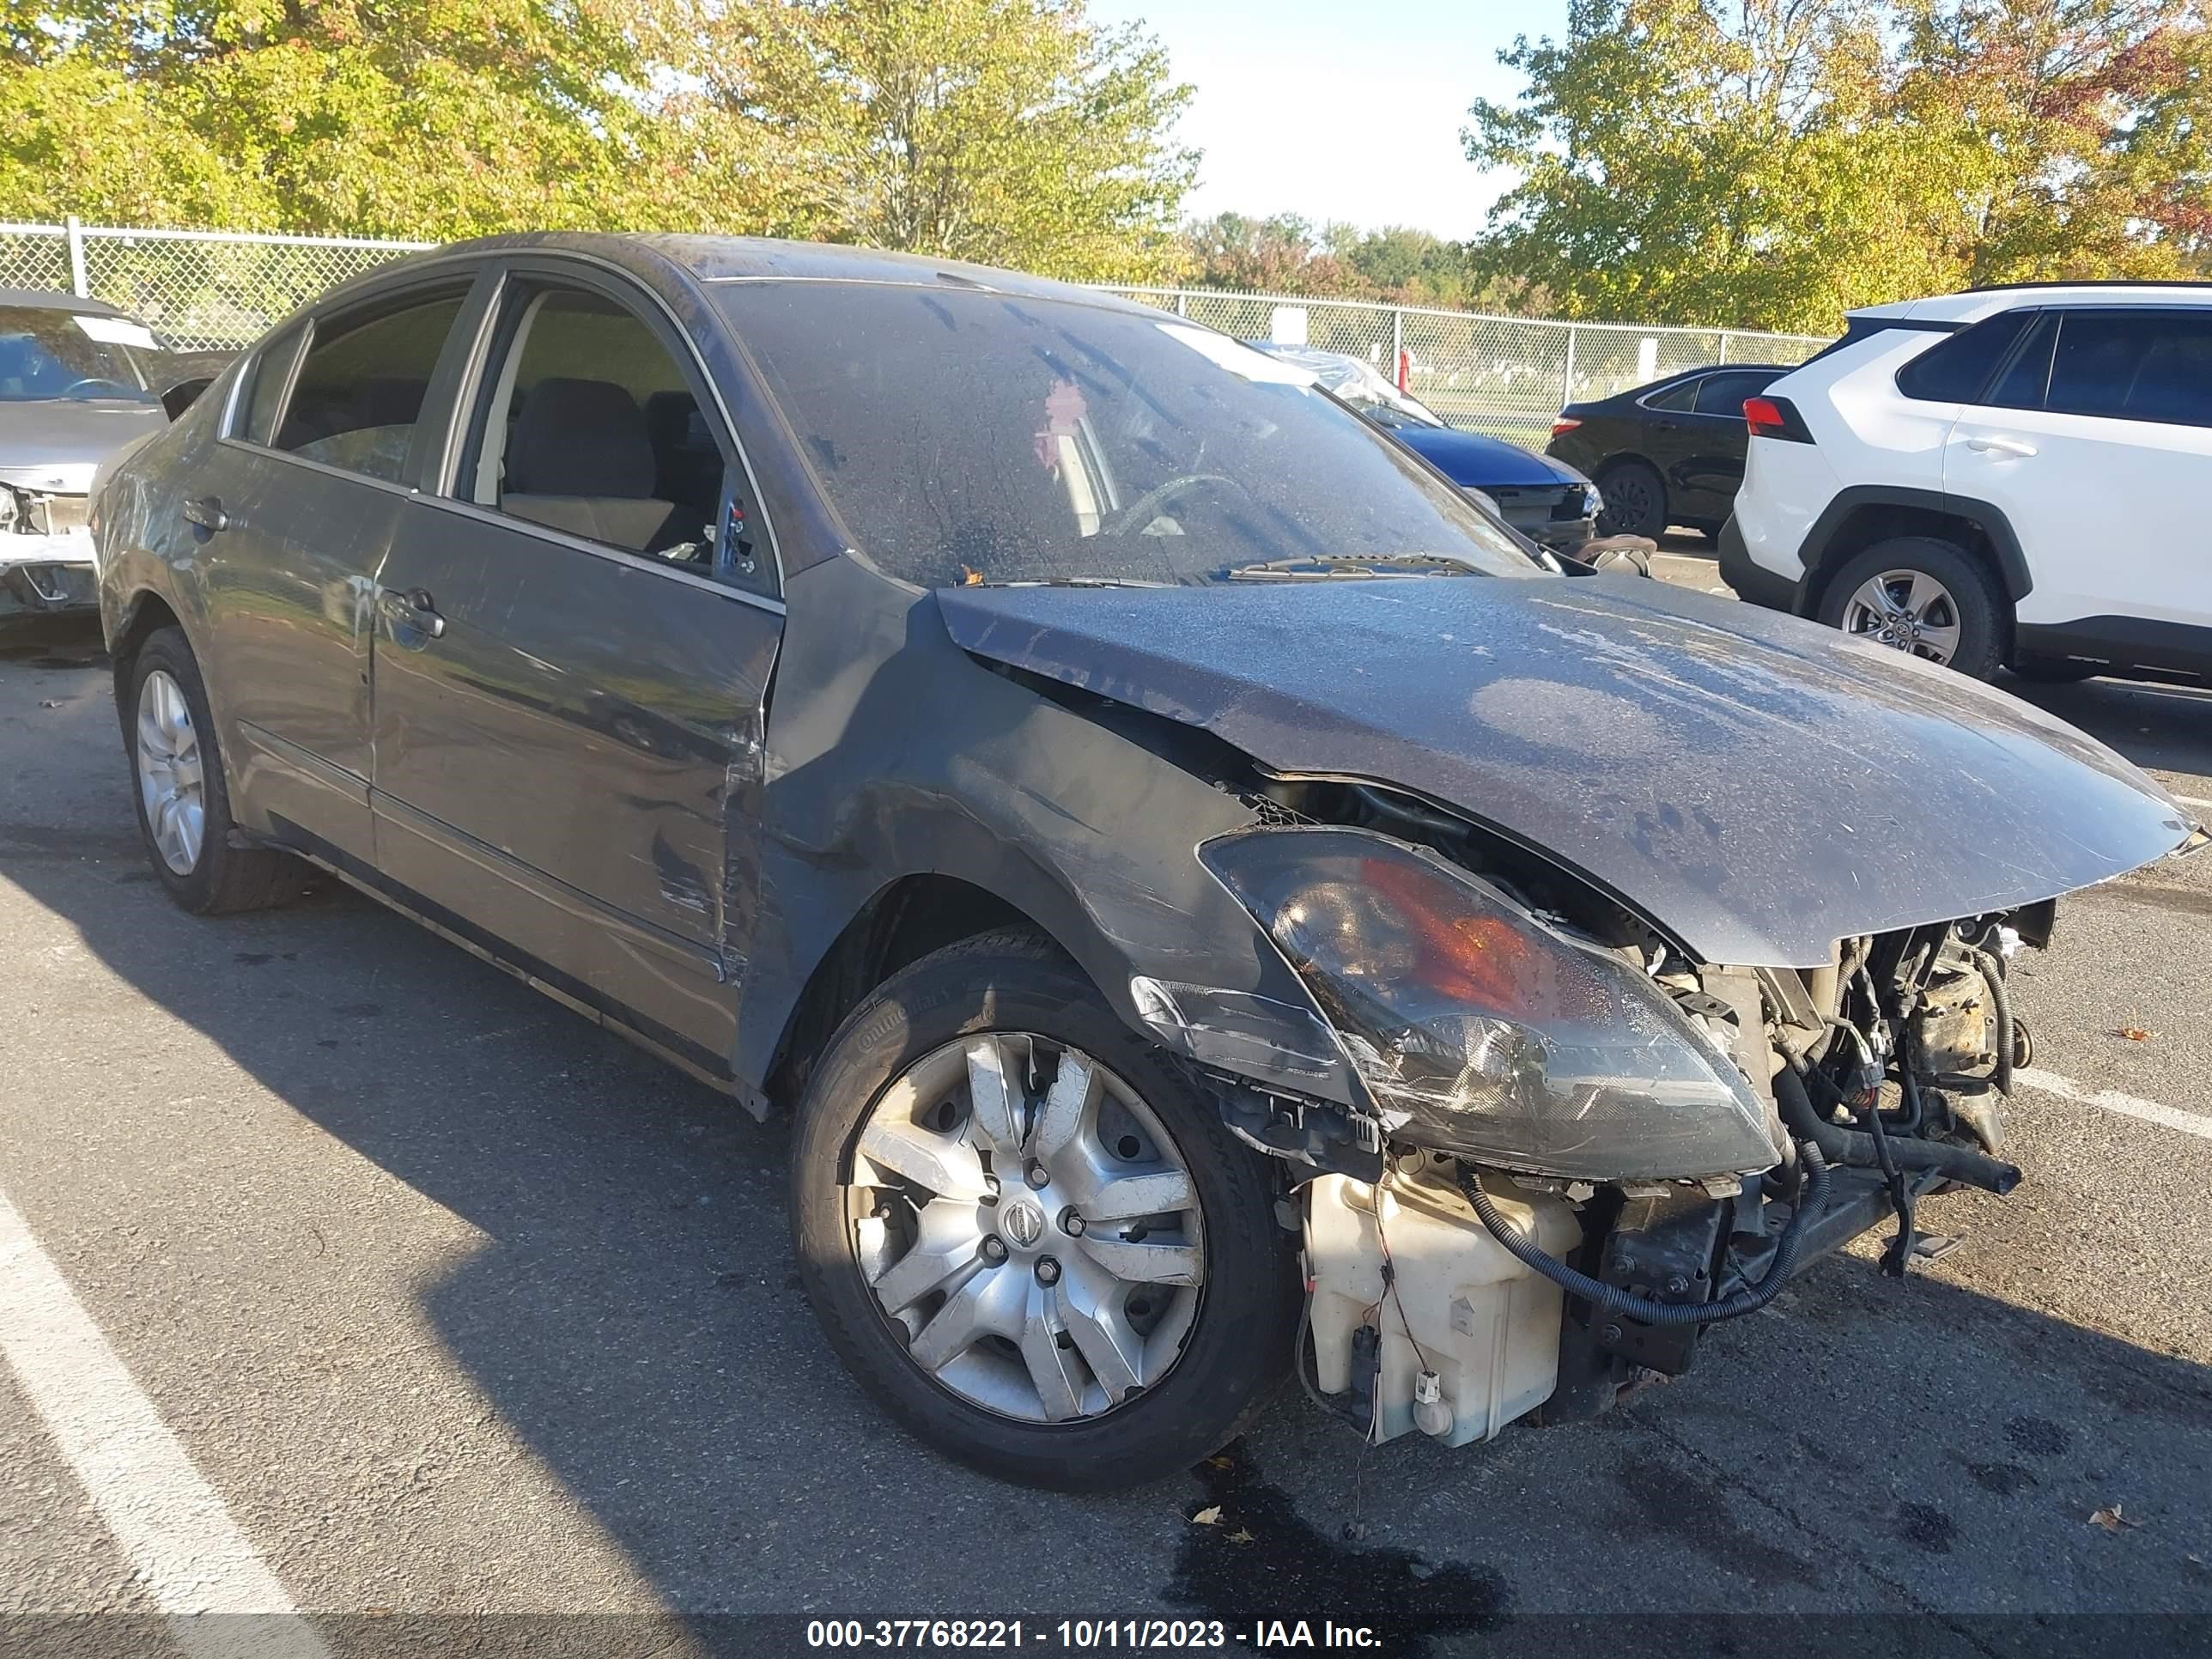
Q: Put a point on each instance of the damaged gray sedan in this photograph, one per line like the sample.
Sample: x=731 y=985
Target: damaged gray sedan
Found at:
x=1212 y=902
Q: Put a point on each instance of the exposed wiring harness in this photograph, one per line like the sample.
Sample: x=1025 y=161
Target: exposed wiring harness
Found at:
x=1812 y=1199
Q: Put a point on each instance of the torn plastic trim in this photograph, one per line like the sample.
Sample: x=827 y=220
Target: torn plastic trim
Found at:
x=1255 y=1036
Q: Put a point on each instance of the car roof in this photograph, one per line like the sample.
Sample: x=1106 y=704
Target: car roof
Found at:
x=49 y=299
x=1975 y=304
x=734 y=260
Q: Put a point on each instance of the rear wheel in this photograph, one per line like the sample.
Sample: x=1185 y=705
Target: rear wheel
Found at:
x=184 y=805
x=1026 y=1230
x=1635 y=501
x=1925 y=597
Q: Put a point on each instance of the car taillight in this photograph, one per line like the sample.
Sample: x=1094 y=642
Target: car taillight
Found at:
x=1776 y=417
x=1564 y=424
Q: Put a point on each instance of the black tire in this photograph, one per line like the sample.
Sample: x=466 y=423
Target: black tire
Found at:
x=1985 y=619
x=2055 y=670
x=1635 y=501
x=226 y=879
x=1238 y=1344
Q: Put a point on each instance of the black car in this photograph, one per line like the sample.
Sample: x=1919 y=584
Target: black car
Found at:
x=1667 y=453
x=1208 y=900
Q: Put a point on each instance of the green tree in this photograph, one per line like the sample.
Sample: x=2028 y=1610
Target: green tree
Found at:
x=1006 y=130
x=1015 y=132
x=1775 y=162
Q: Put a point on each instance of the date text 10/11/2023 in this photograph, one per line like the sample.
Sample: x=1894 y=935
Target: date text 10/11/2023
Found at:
x=1087 y=1634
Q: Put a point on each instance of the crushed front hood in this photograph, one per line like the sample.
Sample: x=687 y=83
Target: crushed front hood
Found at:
x=1756 y=786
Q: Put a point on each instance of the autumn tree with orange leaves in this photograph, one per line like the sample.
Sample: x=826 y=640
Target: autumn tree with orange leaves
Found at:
x=1776 y=162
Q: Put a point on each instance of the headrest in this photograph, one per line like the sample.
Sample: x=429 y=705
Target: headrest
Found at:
x=579 y=437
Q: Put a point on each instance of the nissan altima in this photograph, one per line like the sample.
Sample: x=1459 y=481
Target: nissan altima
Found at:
x=1211 y=903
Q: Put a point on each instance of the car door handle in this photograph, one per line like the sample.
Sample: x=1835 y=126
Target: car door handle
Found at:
x=206 y=511
x=413 y=609
x=2013 y=447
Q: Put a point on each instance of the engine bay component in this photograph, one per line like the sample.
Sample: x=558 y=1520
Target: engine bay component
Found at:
x=1481 y=1029
x=1465 y=1338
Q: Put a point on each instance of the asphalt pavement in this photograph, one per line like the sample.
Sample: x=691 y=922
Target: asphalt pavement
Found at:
x=458 y=1321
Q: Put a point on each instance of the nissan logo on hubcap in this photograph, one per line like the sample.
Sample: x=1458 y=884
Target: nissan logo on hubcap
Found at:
x=1022 y=1222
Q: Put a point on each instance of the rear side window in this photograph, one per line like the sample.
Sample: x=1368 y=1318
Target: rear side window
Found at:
x=1675 y=400
x=1956 y=370
x=1723 y=394
x=2022 y=383
x=360 y=389
x=2134 y=366
x=265 y=387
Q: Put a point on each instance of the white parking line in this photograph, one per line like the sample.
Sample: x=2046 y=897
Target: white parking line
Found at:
x=2112 y=1100
x=187 y=1552
x=2193 y=801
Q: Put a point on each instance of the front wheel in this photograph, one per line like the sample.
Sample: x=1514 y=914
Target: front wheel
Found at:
x=1026 y=1231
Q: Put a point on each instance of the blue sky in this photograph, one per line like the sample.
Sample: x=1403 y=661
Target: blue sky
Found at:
x=1340 y=109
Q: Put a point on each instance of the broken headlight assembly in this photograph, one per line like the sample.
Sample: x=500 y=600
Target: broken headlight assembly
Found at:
x=1480 y=1030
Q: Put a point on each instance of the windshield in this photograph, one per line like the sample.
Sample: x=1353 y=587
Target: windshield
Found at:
x=72 y=354
x=967 y=436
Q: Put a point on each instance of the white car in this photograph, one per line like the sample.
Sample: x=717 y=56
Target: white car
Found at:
x=2010 y=477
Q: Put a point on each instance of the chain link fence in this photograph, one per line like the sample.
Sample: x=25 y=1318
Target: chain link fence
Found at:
x=200 y=290
x=1506 y=376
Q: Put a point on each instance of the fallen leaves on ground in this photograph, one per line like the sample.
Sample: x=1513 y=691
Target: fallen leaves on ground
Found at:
x=2112 y=1518
x=2135 y=1034
x=1208 y=1516
x=1240 y=1536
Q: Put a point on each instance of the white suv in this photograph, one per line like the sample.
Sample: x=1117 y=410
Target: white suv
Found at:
x=2010 y=476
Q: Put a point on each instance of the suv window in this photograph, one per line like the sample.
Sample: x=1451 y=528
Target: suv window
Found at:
x=360 y=388
x=1678 y=400
x=587 y=424
x=1723 y=394
x=1955 y=368
x=2136 y=365
x=264 y=387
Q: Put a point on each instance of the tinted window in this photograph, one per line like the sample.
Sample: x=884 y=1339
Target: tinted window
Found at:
x=971 y=436
x=587 y=425
x=264 y=387
x=1723 y=394
x=1675 y=400
x=2021 y=384
x=2135 y=366
x=360 y=389
x=77 y=354
x=1956 y=367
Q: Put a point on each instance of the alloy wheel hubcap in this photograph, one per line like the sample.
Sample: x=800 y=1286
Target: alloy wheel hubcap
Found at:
x=1908 y=611
x=171 y=779
x=1025 y=1221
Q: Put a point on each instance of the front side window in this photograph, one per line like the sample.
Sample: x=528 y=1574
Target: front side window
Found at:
x=2136 y=365
x=360 y=389
x=967 y=436
x=587 y=424
x=80 y=356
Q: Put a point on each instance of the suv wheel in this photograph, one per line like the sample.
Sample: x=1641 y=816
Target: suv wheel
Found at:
x=1026 y=1231
x=1924 y=596
x=1635 y=501
x=184 y=806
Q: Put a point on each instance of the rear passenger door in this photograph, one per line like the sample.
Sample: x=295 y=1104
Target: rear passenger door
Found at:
x=2095 y=440
x=1710 y=470
x=574 y=633
x=293 y=512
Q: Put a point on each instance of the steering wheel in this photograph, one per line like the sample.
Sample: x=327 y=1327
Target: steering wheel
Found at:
x=71 y=390
x=1142 y=510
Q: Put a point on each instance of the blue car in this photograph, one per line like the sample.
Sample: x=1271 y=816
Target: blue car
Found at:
x=1547 y=500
